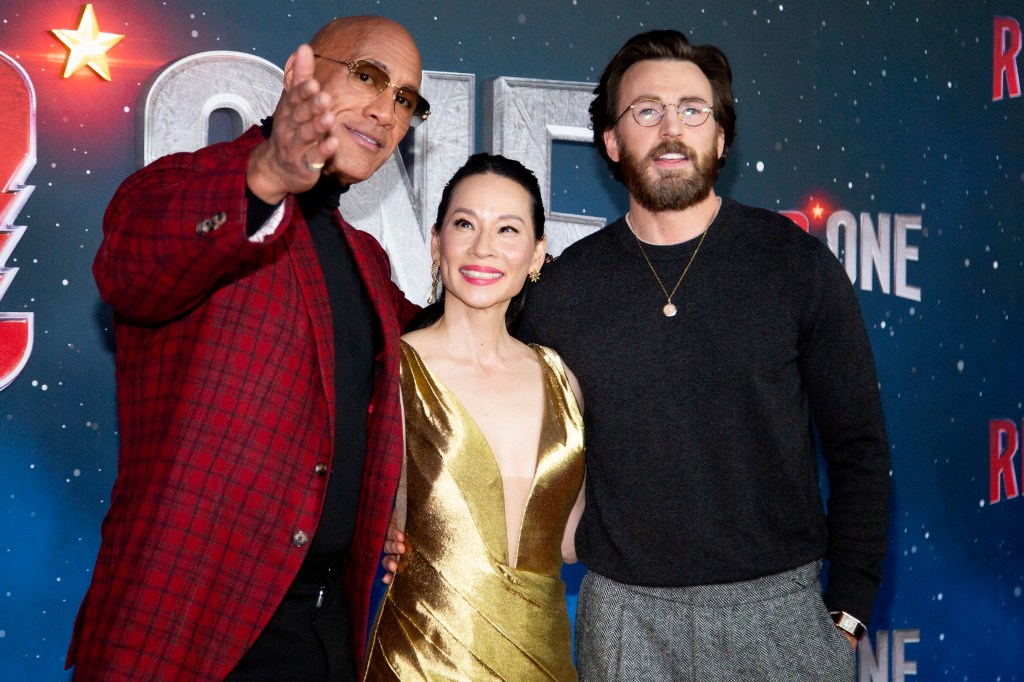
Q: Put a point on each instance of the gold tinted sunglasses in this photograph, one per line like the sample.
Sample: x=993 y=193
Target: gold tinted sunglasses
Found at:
x=372 y=80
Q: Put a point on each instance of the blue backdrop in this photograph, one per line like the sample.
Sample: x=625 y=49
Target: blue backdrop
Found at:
x=893 y=130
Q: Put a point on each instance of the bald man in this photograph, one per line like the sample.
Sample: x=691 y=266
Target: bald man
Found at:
x=257 y=366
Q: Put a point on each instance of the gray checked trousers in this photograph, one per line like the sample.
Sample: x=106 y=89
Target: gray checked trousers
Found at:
x=771 y=629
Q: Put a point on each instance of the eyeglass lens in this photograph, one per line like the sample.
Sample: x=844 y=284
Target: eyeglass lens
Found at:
x=408 y=103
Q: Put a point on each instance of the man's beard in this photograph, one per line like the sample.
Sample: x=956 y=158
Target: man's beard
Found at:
x=672 y=191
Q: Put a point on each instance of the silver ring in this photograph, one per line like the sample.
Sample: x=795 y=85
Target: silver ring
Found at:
x=314 y=166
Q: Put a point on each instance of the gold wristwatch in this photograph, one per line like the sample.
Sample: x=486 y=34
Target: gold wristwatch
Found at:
x=848 y=624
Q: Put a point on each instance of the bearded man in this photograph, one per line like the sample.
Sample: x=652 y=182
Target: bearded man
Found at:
x=711 y=340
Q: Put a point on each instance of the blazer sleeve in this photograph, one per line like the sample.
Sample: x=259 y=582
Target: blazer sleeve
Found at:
x=175 y=229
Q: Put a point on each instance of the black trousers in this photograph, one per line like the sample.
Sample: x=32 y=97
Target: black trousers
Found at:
x=303 y=642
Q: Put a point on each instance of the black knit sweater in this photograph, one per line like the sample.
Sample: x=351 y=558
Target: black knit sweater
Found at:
x=701 y=461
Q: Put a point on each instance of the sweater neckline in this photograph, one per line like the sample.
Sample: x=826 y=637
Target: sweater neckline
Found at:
x=671 y=252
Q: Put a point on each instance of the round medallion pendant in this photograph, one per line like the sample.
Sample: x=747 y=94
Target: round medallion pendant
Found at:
x=669 y=310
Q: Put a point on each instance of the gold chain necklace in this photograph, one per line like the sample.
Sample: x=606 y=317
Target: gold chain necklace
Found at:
x=670 y=309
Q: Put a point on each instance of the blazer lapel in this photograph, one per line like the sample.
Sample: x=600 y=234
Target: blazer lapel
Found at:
x=314 y=293
x=377 y=286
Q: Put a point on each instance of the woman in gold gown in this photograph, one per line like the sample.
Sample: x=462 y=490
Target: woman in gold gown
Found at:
x=492 y=480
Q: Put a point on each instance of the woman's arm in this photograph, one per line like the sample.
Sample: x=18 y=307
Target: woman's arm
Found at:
x=569 y=537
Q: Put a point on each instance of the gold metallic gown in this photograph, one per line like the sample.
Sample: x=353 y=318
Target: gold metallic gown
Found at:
x=456 y=610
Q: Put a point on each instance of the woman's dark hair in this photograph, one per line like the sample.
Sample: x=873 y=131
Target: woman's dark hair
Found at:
x=482 y=164
x=665 y=45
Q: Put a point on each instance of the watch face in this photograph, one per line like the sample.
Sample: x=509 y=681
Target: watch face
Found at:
x=849 y=624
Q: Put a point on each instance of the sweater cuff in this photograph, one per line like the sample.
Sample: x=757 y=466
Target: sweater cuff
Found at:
x=849 y=590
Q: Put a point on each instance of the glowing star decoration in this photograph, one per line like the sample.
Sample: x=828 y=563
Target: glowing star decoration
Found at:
x=818 y=211
x=86 y=45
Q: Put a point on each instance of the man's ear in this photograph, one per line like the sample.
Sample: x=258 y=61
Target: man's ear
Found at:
x=611 y=144
x=288 y=66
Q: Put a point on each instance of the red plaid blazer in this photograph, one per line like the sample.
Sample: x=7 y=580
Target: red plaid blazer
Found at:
x=225 y=382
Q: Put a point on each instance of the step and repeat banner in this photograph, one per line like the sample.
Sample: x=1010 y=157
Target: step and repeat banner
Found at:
x=894 y=132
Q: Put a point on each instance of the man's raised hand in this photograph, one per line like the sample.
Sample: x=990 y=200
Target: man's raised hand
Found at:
x=301 y=142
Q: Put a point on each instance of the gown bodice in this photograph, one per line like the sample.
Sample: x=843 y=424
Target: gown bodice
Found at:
x=457 y=609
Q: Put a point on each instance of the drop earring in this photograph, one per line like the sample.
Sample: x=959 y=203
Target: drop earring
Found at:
x=435 y=277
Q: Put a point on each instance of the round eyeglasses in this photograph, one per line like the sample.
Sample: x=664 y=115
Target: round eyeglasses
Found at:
x=648 y=111
x=371 y=80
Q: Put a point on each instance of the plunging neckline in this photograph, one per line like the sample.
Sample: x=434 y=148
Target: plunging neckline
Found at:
x=492 y=460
